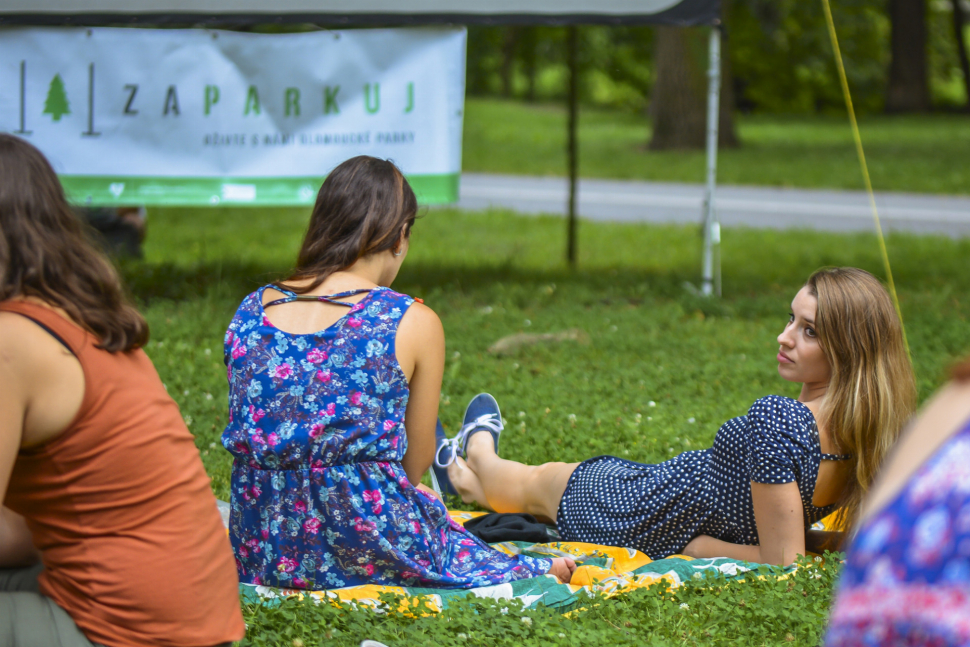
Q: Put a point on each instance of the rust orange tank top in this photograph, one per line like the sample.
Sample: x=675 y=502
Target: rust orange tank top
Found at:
x=121 y=509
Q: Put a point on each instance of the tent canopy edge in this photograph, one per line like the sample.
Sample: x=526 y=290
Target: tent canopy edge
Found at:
x=342 y=20
x=88 y=13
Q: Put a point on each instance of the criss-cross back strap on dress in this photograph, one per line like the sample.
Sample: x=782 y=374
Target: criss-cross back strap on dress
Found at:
x=292 y=296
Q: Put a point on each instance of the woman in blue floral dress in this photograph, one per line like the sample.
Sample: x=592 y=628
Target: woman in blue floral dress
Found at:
x=334 y=382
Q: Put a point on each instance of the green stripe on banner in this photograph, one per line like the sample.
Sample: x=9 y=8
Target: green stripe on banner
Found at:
x=97 y=190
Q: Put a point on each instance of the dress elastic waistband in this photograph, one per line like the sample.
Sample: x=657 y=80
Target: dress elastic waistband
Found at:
x=320 y=468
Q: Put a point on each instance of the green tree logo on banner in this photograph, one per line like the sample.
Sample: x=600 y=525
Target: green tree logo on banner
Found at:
x=56 y=104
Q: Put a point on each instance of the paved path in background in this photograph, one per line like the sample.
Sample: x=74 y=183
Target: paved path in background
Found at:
x=631 y=201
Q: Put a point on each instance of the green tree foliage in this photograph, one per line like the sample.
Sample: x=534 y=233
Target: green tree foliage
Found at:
x=946 y=78
x=779 y=50
x=614 y=62
x=56 y=104
x=783 y=56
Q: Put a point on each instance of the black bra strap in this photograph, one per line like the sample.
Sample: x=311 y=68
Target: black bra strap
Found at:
x=836 y=457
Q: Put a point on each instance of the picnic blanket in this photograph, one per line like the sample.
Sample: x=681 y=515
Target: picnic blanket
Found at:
x=605 y=570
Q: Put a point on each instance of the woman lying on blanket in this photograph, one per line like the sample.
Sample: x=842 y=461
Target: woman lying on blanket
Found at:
x=770 y=474
x=109 y=531
x=334 y=382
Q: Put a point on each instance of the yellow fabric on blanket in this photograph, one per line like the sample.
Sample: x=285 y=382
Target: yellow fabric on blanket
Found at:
x=608 y=580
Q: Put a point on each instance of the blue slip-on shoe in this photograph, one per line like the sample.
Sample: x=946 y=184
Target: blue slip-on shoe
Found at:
x=444 y=455
x=482 y=414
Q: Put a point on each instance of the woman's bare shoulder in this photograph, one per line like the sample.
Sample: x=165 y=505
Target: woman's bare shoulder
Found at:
x=29 y=355
x=421 y=322
x=19 y=335
x=25 y=343
x=420 y=337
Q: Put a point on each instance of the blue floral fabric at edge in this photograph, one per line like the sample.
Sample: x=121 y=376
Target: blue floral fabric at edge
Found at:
x=320 y=499
x=906 y=579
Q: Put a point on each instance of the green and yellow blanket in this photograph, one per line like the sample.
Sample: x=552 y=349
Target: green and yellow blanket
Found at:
x=604 y=570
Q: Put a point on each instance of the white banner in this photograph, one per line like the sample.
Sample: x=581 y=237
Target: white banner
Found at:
x=152 y=116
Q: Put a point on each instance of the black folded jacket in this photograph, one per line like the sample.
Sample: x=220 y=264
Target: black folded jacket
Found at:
x=495 y=527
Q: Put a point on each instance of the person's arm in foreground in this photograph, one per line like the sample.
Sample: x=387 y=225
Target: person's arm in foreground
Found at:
x=16 y=547
x=421 y=353
x=781 y=529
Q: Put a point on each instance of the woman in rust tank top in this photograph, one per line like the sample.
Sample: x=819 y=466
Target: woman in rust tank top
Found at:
x=109 y=532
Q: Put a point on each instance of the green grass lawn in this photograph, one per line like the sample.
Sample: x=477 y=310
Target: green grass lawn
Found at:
x=662 y=369
x=925 y=153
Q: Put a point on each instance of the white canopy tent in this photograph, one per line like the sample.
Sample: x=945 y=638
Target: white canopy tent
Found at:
x=347 y=13
x=360 y=12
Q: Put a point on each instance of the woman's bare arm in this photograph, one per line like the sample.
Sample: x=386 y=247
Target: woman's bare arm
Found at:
x=778 y=513
x=421 y=352
x=16 y=548
x=16 y=545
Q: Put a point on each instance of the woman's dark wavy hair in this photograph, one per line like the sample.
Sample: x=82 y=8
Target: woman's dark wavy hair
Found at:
x=361 y=209
x=45 y=253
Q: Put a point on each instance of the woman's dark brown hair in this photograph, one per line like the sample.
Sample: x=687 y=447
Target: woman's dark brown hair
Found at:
x=362 y=208
x=44 y=252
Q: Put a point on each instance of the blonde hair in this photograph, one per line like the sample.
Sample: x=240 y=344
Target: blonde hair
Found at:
x=872 y=392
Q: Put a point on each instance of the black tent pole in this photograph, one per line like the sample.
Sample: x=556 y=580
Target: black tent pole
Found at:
x=572 y=45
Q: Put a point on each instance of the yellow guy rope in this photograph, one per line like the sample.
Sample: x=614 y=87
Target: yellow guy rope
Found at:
x=862 y=162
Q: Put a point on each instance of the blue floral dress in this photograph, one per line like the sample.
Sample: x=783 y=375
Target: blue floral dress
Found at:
x=906 y=579
x=316 y=427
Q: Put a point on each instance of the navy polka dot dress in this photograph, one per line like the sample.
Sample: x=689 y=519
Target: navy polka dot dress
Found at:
x=658 y=509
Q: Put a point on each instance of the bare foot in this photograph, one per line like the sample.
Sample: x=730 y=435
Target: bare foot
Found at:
x=563 y=568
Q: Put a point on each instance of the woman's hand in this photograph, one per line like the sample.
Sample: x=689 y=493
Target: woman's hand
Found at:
x=563 y=568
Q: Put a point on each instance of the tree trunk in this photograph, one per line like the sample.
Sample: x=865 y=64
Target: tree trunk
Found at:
x=908 y=89
x=509 y=45
x=678 y=105
x=530 y=43
x=959 y=20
